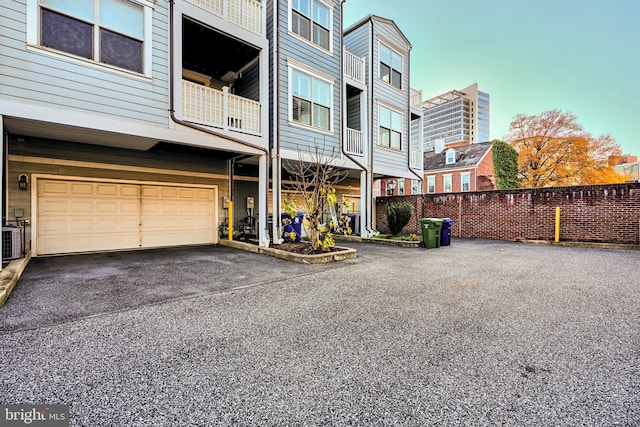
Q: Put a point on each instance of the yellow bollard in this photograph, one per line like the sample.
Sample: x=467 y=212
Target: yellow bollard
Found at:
x=230 y=225
x=557 y=225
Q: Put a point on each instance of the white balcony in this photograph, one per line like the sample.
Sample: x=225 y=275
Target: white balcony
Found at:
x=353 y=67
x=220 y=109
x=414 y=158
x=416 y=98
x=354 y=142
x=246 y=13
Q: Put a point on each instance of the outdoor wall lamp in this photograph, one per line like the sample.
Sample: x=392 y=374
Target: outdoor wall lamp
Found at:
x=391 y=185
x=23 y=181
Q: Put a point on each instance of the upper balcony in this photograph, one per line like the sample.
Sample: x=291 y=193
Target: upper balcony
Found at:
x=415 y=101
x=353 y=68
x=248 y=14
x=220 y=109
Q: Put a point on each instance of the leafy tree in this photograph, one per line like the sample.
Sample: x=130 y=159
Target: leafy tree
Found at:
x=555 y=150
x=398 y=215
x=505 y=165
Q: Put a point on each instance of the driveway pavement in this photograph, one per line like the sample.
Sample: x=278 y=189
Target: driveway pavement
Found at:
x=478 y=333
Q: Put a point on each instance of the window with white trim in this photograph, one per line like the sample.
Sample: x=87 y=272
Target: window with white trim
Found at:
x=448 y=186
x=311 y=20
x=111 y=32
x=431 y=184
x=451 y=156
x=310 y=100
x=390 y=66
x=401 y=187
x=390 y=128
x=415 y=186
x=465 y=181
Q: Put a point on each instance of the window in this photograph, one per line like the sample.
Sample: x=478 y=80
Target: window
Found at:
x=448 y=187
x=415 y=186
x=431 y=184
x=311 y=20
x=401 y=187
x=390 y=66
x=451 y=156
x=390 y=128
x=465 y=179
x=111 y=32
x=311 y=100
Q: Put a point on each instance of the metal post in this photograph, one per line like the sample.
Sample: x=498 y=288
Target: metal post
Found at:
x=557 y=225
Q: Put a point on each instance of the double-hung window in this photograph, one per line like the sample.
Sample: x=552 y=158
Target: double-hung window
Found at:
x=110 y=32
x=311 y=100
x=390 y=66
x=401 y=187
x=311 y=20
x=390 y=128
x=448 y=186
x=431 y=184
x=415 y=186
x=465 y=181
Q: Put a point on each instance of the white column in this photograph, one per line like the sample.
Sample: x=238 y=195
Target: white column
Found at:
x=263 y=195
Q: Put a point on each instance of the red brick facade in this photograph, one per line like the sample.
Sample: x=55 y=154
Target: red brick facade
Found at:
x=602 y=213
x=481 y=177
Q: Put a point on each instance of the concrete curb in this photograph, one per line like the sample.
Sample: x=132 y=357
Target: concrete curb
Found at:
x=594 y=245
x=10 y=275
x=385 y=242
x=344 y=253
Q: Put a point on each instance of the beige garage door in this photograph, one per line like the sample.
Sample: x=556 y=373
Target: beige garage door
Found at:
x=78 y=216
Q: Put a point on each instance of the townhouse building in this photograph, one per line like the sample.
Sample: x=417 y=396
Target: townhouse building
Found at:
x=132 y=124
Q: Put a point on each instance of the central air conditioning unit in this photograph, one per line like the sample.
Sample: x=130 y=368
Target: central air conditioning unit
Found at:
x=11 y=242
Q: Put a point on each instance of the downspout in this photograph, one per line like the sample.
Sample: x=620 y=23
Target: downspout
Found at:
x=370 y=228
x=192 y=125
x=277 y=167
x=342 y=105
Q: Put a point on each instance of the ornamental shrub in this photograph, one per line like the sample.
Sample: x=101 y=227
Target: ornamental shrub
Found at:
x=398 y=215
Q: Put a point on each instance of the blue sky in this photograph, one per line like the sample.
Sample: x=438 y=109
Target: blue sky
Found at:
x=581 y=56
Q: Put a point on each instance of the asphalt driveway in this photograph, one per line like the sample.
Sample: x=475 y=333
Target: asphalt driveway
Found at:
x=478 y=333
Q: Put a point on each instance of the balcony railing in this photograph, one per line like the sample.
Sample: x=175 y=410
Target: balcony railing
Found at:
x=353 y=67
x=414 y=158
x=246 y=13
x=416 y=98
x=354 y=142
x=220 y=109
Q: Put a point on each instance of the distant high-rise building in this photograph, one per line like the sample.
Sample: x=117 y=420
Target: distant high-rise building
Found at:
x=458 y=115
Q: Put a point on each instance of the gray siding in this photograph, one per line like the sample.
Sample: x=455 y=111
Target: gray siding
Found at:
x=391 y=97
x=42 y=79
x=291 y=47
x=358 y=42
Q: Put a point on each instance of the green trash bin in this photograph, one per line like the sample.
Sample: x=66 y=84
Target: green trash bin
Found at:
x=431 y=229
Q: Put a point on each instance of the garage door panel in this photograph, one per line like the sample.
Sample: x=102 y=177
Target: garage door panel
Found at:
x=76 y=216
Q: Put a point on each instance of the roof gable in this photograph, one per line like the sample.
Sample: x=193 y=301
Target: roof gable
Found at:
x=468 y=156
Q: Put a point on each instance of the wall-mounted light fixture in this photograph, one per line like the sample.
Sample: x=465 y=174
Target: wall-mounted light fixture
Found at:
x=391 y=185
x=23 y=182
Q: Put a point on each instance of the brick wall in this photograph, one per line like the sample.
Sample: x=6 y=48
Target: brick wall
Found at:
x=601 y=213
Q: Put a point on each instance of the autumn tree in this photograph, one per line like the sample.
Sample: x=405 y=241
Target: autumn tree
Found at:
x=314 y=179
x=555 y=150
x=505 y=165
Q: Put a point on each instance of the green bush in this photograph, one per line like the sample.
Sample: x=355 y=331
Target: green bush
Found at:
x=398 y=215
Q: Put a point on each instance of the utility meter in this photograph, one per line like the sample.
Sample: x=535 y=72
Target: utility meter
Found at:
x=249 y=202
